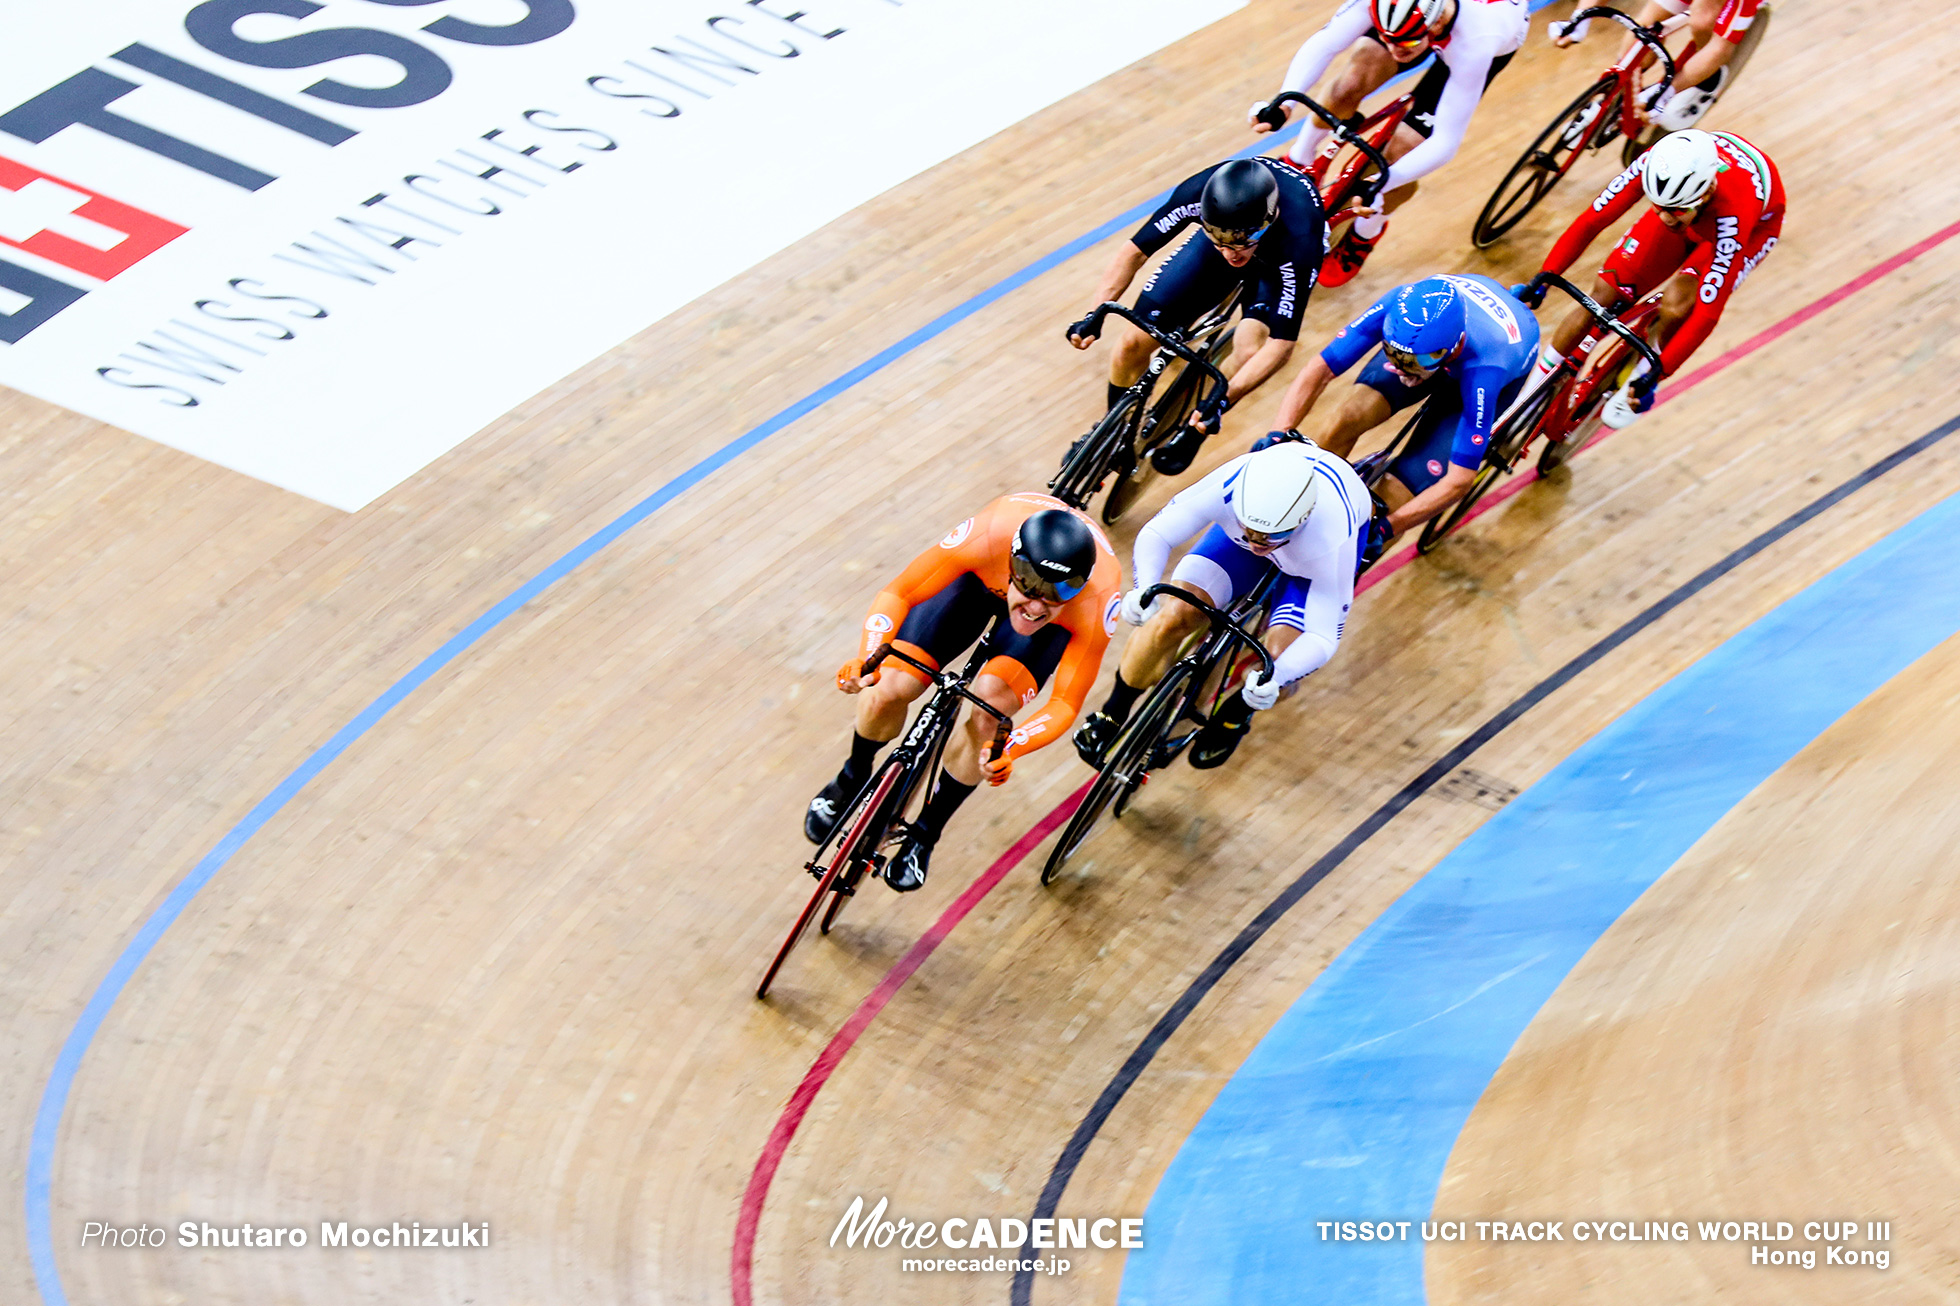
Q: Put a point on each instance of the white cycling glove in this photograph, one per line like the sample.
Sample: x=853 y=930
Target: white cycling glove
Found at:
x=1133 y=610
x=1260 y=693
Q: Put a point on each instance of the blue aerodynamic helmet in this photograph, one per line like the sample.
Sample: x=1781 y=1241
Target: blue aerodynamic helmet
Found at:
x=1424 y=325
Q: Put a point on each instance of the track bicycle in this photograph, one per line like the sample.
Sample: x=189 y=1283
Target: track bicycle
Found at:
x=1353 y=186
x=1638 y=145
x=1592 y=370
x=1606 y=111
x=876 y=820
x=1121 y=440
x=1564 y=410
x=1185 y=695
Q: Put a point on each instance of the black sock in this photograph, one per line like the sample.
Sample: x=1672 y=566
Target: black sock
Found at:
x=1122 y=697
x=1115 y=393
x=864 y=752
x=1233 y=712
x=946 y=798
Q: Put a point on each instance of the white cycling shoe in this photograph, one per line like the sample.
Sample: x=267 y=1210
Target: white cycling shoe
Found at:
x=1618 y=411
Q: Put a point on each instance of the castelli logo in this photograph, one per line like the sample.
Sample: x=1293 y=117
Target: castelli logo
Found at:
x=957 y=536
x=1435 y=468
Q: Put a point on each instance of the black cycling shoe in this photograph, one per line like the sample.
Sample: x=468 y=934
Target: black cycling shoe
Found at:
x=821 y=817
x=1174 y=455
x=1094 y=736
x=906 y=870
x=1216 y=742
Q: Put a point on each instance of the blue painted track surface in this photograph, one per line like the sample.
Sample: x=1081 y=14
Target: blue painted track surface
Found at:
x=1350 y=1107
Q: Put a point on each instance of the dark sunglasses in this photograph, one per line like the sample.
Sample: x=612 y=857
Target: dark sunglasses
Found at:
x=1031 y=582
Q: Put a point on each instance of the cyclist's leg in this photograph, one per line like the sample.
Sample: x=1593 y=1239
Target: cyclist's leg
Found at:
x=1378 y=394
x=933 y=631
x=1426 y=457
x=1191 y=281
x=1215 y=570
x=1008 y=681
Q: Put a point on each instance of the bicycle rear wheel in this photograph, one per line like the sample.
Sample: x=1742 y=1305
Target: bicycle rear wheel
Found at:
x=1172 y=409
x=1588 y=396
x=1579 y=126
x=864 y=829
x=1125 y=768
x=1089 y=459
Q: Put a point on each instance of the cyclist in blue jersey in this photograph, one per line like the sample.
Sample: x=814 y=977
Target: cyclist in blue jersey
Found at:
x=1463 y=339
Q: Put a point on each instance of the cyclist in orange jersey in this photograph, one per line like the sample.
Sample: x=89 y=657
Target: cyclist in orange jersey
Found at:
x=1052 y=580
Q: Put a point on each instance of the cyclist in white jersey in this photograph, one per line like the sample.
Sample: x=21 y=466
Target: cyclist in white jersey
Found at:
x=1290 y=507
x=1472 y=41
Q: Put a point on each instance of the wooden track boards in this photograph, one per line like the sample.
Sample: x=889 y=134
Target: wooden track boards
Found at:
x=495 y=962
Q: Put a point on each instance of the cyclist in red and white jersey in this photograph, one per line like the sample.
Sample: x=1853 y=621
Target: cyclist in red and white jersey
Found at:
x=1717 y=212
x=1715 y=29
x=1472 y=41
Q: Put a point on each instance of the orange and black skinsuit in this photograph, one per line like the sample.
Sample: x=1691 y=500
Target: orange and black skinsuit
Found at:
x=942 y=602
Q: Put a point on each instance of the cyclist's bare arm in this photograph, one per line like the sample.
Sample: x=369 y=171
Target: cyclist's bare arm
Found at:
x=1123 y=268
x=1305 y=391
x=1432 y=500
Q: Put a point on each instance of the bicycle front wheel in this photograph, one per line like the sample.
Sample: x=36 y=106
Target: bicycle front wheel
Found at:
x=1544 y=161
x=865 y=827
x=1088 y=459
x=1124 y=770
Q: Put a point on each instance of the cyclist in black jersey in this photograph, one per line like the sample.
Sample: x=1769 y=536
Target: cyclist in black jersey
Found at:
x=1263 y=228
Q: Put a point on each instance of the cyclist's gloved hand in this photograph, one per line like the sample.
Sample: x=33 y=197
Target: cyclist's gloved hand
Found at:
x=1133 y=610
x=1081 y=332
x=1260 y=117
x=1376 y=541
x=1640 y=391
x=997 y=770
x=851 y=673
x=1260 y=693
x=1271 y=438
x=1527 y=295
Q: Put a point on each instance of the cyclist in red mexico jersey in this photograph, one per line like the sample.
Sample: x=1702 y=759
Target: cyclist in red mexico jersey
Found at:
x=1717 y=212
x=1715 y=29
x=1051 y=579
x=1472 y=41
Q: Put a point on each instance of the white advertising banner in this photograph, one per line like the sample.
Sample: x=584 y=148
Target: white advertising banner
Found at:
x=322 y=242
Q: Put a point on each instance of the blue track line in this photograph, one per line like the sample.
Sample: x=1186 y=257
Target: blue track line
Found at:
x=54 y=1099
x=68 y=1063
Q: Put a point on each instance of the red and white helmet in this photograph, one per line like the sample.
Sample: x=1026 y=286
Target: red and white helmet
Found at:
x=1404 y=20
x=1680 y=170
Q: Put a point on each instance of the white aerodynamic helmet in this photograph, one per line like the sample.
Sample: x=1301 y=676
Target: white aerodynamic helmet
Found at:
x=1275 y=489
x=1680 y=170
x=1402 y=20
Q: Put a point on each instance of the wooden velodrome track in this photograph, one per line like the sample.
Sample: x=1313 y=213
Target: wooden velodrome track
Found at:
x=495 y=962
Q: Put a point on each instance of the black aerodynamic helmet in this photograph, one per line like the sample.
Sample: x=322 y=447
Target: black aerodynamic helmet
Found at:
x=1240 y=201
x=1054 y=552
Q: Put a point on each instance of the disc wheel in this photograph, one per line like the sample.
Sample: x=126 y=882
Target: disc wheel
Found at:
x=1583 y=124
x=1123 y=771
x=1089 y=458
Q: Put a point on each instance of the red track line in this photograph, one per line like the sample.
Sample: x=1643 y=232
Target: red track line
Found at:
x=867 y=1011
x=750 y=1219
